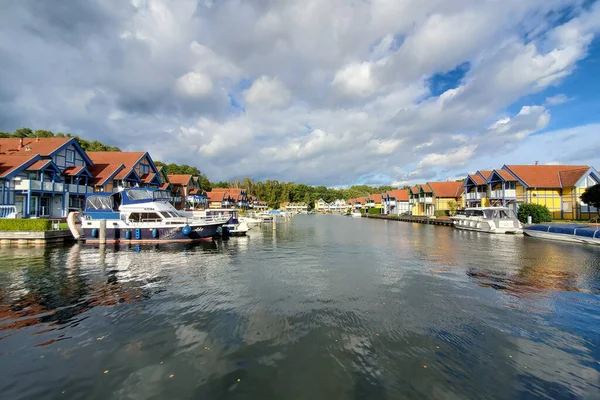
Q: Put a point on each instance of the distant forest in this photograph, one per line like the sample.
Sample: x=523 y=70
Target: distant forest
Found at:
x=271 y=191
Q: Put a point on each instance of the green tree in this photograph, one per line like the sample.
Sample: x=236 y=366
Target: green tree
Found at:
x=591 y=197
x=452 y=207
x=23 y=132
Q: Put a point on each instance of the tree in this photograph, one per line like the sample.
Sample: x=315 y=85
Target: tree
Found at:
x=452 y=207
x=591 y=197
x=23 y=132
x=538 y=213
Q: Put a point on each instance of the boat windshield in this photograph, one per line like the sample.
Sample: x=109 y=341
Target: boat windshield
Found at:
x=499 y=214
x=161 y=195
x=99 y=203
x=140 y=194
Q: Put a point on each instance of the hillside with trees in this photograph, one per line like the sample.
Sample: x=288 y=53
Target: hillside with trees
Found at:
x=86 y=145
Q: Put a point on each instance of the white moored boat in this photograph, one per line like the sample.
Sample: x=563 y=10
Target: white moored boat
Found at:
x=356 y=214
x=488 y=219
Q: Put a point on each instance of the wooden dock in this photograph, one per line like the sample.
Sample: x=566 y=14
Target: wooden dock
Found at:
x=38 y=238
x=444 y=221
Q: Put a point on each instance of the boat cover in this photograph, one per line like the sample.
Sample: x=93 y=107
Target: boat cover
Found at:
x=568 y=229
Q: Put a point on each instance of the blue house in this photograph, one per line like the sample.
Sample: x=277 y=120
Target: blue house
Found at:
x=43 y=177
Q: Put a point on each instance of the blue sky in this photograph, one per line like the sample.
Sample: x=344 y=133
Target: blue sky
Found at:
x=331 y=93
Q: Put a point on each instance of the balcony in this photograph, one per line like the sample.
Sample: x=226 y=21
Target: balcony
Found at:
x=29 y=184
x=426 y=200
x=79 y=189
x=503 y=194
x=475 y=195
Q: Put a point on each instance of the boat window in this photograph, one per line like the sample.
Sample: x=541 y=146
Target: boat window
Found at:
x=162 y=195
x=474 y=213
x=99 y=203
x=139 y=194
x=144 y=217
x=488 y=214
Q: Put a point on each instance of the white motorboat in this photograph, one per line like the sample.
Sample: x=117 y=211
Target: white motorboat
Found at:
x=488 y=219
x=356 y=214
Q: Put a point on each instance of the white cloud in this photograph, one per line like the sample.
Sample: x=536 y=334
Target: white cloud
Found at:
x=194 y=84
x=355 y=79
x=557 y=99
x=266 y=93
x=339 y=90
x=455 y=157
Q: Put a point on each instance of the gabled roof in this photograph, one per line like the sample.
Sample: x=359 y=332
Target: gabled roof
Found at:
x=13 y=164
x=446 y=189
x=215 y=196
x=38 y=165
x=128 y=158
x=485 y=173
x=179 y=179
x=570 y=178
x=399 y=194
x=102 y=173
x=149 y=178
x=545 y=176
x=477 y=179
x=42 y=146
x=375 y=197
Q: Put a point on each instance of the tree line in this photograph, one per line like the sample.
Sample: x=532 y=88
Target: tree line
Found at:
x=271 y=191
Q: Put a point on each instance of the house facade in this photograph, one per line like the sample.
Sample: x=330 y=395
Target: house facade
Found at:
x=116 y=170
x=476 y=189
x=396 y=202
x=43 y=177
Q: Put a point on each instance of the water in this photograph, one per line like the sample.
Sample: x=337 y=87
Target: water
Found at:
x=326 y=307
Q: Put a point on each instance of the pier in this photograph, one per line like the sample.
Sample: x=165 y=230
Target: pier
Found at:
x=409 y=218
x=34 y=237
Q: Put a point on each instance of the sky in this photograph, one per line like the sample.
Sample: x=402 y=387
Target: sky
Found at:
x=323 y=92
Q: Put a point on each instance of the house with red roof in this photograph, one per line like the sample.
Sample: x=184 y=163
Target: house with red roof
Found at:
x=235 y=197
x=43 y=177
x=114 y=170
x=476 y=189
x=396 y=202
x=435 y=198
x=558 y=187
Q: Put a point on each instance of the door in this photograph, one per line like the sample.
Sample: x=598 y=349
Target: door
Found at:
x=56 y=207
x=33 y=206
x=20 y=205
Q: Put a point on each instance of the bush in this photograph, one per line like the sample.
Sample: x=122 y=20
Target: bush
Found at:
x=538 y=213
x=23 y=224
x=374 y=211
x=441 y=213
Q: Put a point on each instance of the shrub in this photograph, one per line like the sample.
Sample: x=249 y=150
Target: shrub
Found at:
x=23 y=224
x=538 y=213
x=441 y=213
x=373 y=211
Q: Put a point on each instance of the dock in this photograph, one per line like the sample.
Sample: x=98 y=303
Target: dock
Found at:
x=444 y=221
x=37 y=238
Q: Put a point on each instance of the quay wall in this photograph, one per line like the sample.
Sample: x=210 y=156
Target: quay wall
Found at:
x=9 y=238
x=410 y=218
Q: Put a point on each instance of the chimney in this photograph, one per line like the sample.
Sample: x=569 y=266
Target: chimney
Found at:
x=537 y=162
x=37 y=139
x=20 y=143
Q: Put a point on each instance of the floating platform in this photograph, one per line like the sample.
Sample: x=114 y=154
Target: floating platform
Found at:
x=410 y=218
x=26 y=238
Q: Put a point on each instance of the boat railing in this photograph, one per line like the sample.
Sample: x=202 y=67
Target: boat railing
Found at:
x=595 y=220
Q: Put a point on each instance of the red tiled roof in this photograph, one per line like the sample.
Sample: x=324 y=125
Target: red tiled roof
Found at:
x=231 y=191
x=361 y=200
x=570 y=178
x=38 y=165
x=102 y=172
x=72 y=171
x=8 y=163
x=179 y=179
x=127 y=158
x=165 y=186
x=147 y=178
x=507 y=176
x=399 y=194
x=446 y=189
x=215 y=196
x=375 y=197
x=486 y=174
x=42 y=146
x=477 y=179
x=545 y=176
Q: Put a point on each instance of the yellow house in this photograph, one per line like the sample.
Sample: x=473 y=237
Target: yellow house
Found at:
x=321 y=205
x=558 y=187
x=421 y=197
x=444 y=193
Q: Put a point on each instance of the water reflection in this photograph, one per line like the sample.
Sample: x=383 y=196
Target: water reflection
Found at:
x=323 y=307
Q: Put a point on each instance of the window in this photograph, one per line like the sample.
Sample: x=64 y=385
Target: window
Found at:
x=70 y=156
x=144 y=169
x=511 y=185
x=144 y=217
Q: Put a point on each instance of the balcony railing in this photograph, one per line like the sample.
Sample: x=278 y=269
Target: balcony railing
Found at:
x=30 y=184
x=506 y=194
x=426 y=200
x=475 y=195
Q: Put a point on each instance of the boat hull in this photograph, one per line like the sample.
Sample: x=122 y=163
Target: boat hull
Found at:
x=120 y=234
x=563 y=237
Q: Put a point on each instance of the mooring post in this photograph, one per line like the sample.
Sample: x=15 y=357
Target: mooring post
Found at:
x=102 y=233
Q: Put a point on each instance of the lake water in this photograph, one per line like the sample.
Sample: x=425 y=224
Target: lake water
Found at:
x=325 y=307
